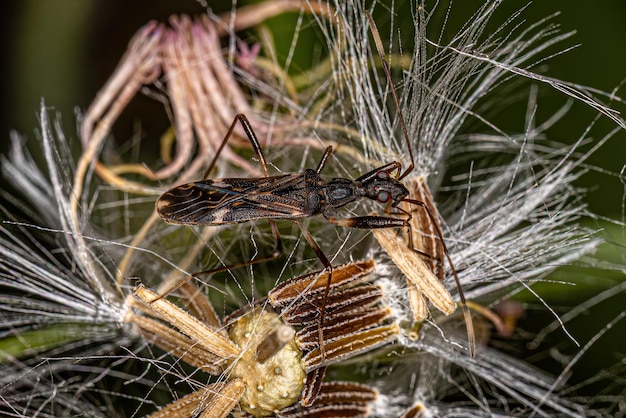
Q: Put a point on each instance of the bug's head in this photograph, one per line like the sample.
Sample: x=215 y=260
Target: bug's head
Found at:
x=382 y=187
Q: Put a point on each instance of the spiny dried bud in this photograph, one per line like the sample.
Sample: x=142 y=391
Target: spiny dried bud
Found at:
x=274 y=381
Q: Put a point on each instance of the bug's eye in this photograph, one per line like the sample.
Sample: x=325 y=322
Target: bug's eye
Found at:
x=383 y=196
x=382 y=175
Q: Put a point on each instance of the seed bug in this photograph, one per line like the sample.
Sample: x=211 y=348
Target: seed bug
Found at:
x=297 y=196
x=284 y=197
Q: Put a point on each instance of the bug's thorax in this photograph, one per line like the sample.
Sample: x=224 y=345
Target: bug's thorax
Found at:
x=338 y=192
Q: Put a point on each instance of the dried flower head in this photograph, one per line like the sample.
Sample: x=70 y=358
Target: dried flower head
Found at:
x=507 y=221
x=269 y=360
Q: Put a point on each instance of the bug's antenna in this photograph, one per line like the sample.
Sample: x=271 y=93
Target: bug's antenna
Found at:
x=466 y=313
x=379 y=47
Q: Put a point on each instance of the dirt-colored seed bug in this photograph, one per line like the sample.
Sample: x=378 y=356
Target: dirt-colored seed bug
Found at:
x=284 y=197
x=301 y=195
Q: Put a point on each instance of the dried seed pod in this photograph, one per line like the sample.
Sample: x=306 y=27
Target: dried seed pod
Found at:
x=276 y=382
x=267 y=364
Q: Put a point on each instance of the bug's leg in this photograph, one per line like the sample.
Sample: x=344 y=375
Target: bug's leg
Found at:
x=322 y=162
x=245 y=123
x=278 y=250
x=466 y=313
x=369 y=222
x=381 y=222
x=378 y=222
x=389 y=168
x=329 y=268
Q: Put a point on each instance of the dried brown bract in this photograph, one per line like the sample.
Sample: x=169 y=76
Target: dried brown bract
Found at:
x=423 y=263
x=423 y=268
x=336 y=399
x=415 y=411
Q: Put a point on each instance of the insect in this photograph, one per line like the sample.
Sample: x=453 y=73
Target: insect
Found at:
x=301 y=195
x=284 y=197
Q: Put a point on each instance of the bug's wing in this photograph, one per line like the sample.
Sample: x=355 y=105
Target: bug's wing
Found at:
x=232 y=200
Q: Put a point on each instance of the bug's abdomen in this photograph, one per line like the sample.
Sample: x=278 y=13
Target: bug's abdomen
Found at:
x=192 y=204
x=234 y=200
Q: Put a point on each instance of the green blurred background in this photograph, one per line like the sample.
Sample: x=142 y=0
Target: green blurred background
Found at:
x=65 y=50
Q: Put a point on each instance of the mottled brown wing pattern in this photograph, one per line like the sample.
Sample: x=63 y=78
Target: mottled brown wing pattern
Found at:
x=234 y=200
